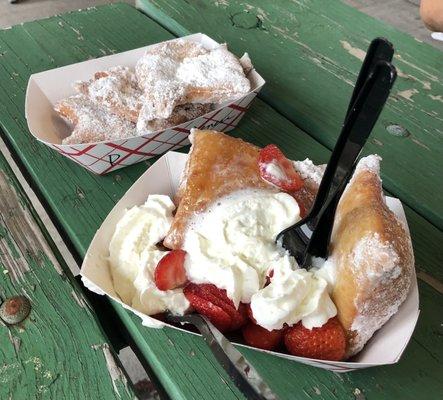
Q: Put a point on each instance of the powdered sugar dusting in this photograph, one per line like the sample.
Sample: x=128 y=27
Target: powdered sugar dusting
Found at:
x=182 y=113
x=372 y=252
x=381 y=289
x=309 y=171
x=92 y=122
x=367 y=324
x=369 y=163
x=117 y=89
x=179 y=72
x=218 y=71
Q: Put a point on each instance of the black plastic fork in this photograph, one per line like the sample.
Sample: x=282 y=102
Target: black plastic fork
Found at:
x=310 y=236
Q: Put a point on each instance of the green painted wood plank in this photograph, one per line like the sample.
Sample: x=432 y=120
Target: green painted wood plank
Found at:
x=59 y=351
x=80 y=201
x=309 y=52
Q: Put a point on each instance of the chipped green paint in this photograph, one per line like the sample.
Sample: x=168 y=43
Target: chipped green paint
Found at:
x=310 y=52
x=4 y=235
x=49 y=354
x=182 y=362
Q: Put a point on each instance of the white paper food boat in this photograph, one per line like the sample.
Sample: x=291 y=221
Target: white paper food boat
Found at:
x=386 y=346
x=46 y=88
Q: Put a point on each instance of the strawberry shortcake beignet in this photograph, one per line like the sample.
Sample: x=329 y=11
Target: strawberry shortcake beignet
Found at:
x=233 y=200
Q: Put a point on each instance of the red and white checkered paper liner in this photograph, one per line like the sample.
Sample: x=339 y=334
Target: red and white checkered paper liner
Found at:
x=105 y=157
x=46 y=88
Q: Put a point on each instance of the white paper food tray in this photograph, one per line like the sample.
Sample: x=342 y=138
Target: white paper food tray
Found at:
x=46 y=88
x=385 y=347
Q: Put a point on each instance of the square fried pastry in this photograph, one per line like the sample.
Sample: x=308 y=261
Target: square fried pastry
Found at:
x=218 y=165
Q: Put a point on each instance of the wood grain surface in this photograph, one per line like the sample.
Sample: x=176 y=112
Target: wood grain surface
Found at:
x=79 y=201
x=59 y=351
x=310 y=52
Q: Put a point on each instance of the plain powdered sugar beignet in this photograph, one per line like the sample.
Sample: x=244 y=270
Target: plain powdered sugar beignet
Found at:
x=92 y=122
x=116 y=89
x=373 y=257
x=180 y=72
x=174 y=82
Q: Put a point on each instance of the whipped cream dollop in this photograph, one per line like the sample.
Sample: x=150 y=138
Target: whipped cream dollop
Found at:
x=133 y=256
x=293 y=295
x=231 y=244
x=325 y=269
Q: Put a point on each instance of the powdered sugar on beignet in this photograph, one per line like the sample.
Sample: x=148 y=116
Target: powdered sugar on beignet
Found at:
x=92 y=122
x=174 y=82
x=116 y=89
x=180 y=72
x=373 y=254
x=376 y=260
x=310 y=172
x=182 y=113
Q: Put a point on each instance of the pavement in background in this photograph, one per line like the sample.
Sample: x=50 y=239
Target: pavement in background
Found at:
x=403 y=14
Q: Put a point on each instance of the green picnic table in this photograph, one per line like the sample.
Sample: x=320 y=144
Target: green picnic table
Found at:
x=309 y=52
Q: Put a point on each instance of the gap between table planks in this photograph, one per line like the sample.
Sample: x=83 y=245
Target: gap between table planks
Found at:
x=309 y=52
x=79 y=201
x=59 y=351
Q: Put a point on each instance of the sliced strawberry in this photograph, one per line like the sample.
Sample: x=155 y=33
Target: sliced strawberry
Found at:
x=239 y=317
x=325 y=343
x=250 y=313
x=305 y=199
x=260 y=337
x=211 y=300
x=286 y=177
x=170 y=272
x=216 y=315
x=269 y=277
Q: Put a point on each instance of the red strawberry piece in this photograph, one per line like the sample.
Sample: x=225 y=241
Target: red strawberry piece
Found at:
x=220 y=298
x=257 y=336
x=209 y=300
x=240 y=317
x=250 y=313
x=325 y=343
x=305 y=199
x=289 y=180
x=269 y=277
x=170 y=272
x=216 y=315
